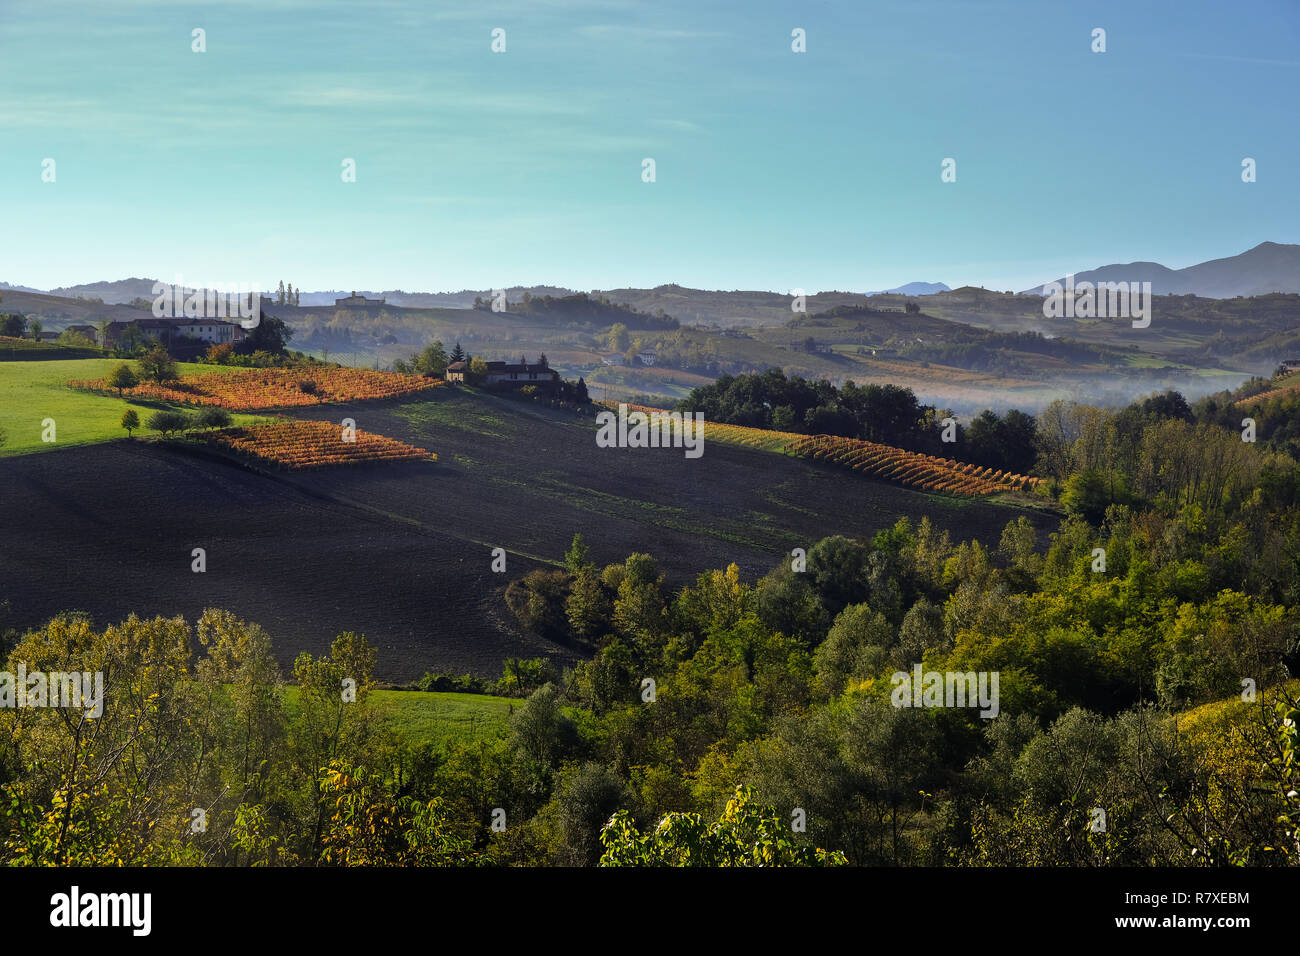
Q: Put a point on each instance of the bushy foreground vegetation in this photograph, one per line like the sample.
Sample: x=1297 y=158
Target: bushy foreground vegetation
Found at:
x=764 y=708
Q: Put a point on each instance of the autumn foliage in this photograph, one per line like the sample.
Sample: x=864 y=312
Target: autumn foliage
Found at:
x=258 y=388
x=303 y=444
x=908 y=467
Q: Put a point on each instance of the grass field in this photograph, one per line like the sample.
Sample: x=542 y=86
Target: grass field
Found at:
x=419 y=717
x=31 y=392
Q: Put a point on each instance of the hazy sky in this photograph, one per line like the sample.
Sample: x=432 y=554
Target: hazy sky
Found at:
x=775 y=170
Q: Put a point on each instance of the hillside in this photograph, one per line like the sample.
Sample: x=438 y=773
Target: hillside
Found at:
x=402 y=551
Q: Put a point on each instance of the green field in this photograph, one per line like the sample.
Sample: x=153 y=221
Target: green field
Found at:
x=420 y=717
x=31 y=392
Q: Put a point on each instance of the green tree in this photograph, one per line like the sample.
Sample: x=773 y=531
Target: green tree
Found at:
x=587 y=607
x=157 y=366
x=617 y=338
x=169 y=422
x=214 y=416
x=121 y=378
x=432 y=362
x=576 y=558
x=747 y=834
x=130 y=421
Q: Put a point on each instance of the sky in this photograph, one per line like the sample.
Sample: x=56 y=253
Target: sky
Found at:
x=774 y=169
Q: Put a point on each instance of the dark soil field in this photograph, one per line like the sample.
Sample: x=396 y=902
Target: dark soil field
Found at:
x=402 y=551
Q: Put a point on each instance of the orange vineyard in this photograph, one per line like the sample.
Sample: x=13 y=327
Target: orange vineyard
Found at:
x=256 y=388
x=908 y=468
x=313 y=445
x=1272 y=393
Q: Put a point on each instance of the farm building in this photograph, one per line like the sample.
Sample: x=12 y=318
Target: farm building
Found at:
x=506 y=375
x=175 y=331
x=1289 y=365
x=358 y=302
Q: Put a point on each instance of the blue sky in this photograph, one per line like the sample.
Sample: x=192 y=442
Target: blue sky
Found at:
x=775 y=170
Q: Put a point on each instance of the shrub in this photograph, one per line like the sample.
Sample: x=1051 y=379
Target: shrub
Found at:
x=214 y=417
x=169 y=422
x=220 y=354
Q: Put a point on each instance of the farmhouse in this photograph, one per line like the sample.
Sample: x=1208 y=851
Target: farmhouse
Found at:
x=506 y=375
x=1290 y=365
x=174 y=331
x=89 y=331
x=210 y=330
x=358 y=302
x=647 y=357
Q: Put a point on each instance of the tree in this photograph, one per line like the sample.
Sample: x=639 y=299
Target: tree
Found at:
x=168 y=422
x=431 y=363
x=747 y=834
x=618 y=339
x=540 y=731
x=130 y=421
x=157 y=366
x=576 y=557
x=458 y=353
x=478 y=368
x=13 y=325
x=588 y=606
x=271 y=334
x=280 y=297
x=585 y=801
x=369 y=826
x=36 y=329
x=214 y=416
x=122 y=378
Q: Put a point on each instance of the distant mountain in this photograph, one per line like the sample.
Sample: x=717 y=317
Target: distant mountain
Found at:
x=17 y=288
x=915 y=288
x=1269 y=267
